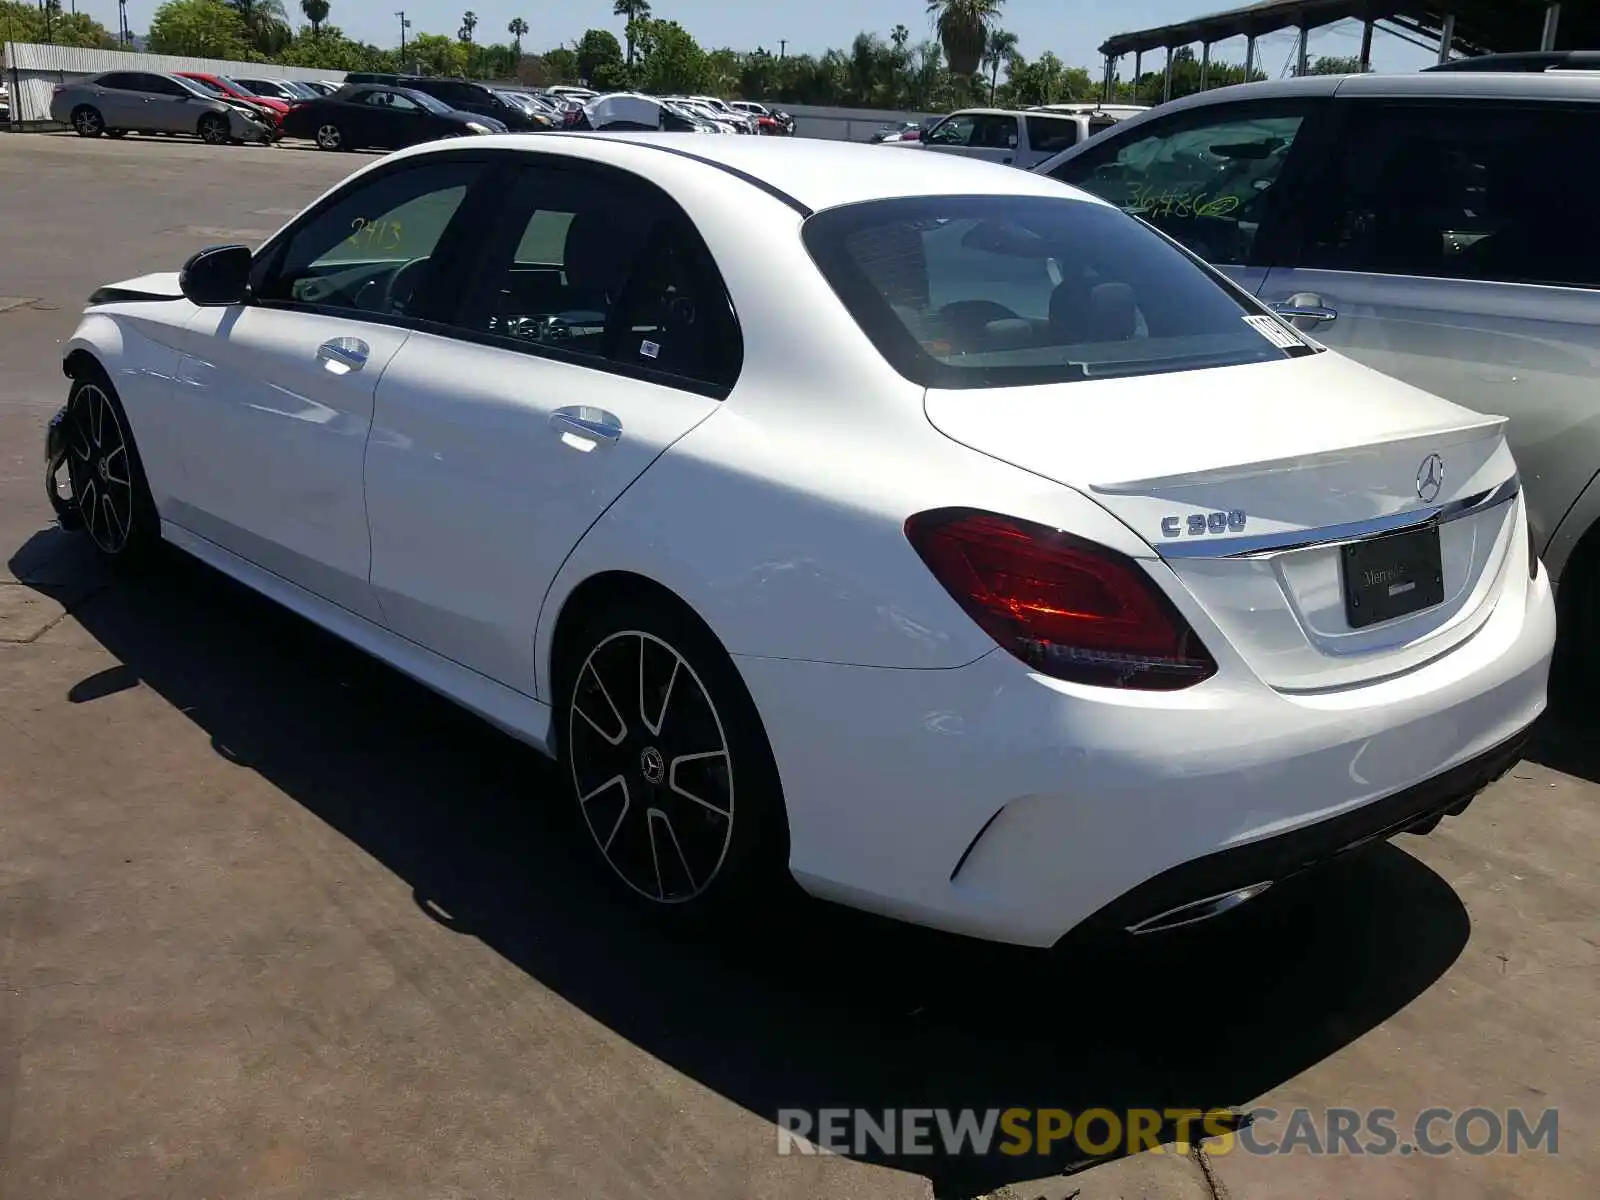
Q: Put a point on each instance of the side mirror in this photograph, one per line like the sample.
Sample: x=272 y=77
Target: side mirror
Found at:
x=217 y=276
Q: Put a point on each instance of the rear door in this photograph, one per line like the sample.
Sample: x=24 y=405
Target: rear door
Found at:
x=1222 y=179
x=121 y=102
x=1456 y=245
x=595 y=332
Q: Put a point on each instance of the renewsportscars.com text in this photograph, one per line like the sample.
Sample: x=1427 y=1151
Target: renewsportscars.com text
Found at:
x=1101 y=1132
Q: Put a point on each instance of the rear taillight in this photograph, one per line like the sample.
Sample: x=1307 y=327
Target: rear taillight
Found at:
x=1065 y=606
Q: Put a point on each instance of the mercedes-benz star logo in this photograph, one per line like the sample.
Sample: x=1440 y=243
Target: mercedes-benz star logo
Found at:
x=1430 y=479
x=652 y=765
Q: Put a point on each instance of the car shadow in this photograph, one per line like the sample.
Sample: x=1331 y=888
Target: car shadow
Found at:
x=824 y=1007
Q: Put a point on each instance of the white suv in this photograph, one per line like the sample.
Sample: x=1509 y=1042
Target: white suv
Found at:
x=1439 y=226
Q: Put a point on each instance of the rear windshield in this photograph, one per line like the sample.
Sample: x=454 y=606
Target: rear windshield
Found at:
x=996 y=291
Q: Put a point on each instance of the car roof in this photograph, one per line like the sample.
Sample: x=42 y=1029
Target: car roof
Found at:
x=812 y=172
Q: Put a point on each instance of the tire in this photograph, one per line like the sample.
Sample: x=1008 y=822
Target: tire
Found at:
x=116 y=133
x=87 y=121
x=214 y=130
x=330 y=137
x=107 y=475
x=684 y=806
x=1577 y=661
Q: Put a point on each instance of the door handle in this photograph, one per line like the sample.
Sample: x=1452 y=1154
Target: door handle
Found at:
x=343 y=355
x=1305 y=307
x=590 y=424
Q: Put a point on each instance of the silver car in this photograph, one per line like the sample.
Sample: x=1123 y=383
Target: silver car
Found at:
x=1441 y=227
x=121 y=102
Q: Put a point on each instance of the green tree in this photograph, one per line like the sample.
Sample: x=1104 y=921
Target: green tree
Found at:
x=963 y=27
x=600 y=63
x=316 y=11
x=436 y=54
x=24 y=21
x=1335 y=65
x=669 y=59
x=330 y=50
x=999 y=50
x=469 y=26
x=559 y=65
x=518 y=29
x=266 y=24
x=199 y=29
x=633 y=11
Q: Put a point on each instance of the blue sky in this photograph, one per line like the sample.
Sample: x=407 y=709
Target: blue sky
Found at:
x=1071 y=28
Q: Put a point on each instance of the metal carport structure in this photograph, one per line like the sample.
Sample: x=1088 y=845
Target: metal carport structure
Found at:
x=1455 y=26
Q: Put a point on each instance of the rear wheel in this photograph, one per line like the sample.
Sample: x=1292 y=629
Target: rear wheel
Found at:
x=669 y=764
x=1578 y=600
x=214 y=131
x=330 y=137
x=107 y=477
x=87 y=121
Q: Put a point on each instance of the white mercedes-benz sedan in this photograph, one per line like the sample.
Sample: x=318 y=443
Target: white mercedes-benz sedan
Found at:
x=922 y=528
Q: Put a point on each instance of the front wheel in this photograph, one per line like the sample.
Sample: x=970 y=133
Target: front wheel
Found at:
x=214 y=130
x=109 y=490
x=669 y=763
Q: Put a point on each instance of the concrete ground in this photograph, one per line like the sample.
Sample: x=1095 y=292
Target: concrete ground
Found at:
x=274 y=922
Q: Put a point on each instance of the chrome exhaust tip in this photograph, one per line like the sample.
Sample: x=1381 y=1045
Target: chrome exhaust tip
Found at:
x=1198 y=910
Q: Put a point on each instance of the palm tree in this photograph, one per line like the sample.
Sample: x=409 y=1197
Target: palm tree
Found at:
x=1000 y=48
x=469 y=24
x=316 y=11
x=633 y=10
x=518 y=29
x=963 y=27
x=266 y=20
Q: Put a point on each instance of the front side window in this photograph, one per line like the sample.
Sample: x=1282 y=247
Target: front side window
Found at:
x=1203 y=178
x=994 y=291
x=1464 y=191
x=119 y=81
x=953 y=131
x=372 y=249
x=604 y=269
x=162 y=87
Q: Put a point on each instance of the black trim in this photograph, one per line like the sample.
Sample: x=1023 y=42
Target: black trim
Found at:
x=772 y=190
x=1288 y=855
x=111 y=294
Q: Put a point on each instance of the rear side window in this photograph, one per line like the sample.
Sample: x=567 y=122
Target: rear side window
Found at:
x=995 y=291
x=1464 y=191
x=1205 y=178
x=1050 y=135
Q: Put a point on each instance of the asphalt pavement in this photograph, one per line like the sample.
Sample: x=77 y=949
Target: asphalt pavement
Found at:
x=275 y=922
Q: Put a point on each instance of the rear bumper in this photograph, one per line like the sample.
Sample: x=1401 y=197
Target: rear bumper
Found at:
x=1208 y=886
x=991 y=801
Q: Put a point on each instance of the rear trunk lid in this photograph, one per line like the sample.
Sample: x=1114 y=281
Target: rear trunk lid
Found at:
x=1335 y=524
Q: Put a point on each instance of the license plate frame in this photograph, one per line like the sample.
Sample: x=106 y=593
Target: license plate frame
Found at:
x=1392 y=575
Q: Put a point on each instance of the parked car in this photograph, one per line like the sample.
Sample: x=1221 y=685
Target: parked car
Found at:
x=271 y=89
x=633 y=111
x=905 y=131
x=5 y=101
x=1020 y=139
x=366 y=115
x=1435 y=226
x=221 y=86
x=121 y=102
x=981 y=597
x=720 y=121
x=771 y=121
x=543 y=115
x=321 y=86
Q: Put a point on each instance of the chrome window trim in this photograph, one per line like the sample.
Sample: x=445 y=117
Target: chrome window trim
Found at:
x=1262 y=545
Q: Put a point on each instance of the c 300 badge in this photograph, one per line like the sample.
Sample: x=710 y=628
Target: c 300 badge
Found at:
x=1204 y=524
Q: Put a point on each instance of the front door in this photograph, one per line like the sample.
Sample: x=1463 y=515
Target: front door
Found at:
x=168 y=107
x=595 y=332
x=1455 y=247
x=277 y=394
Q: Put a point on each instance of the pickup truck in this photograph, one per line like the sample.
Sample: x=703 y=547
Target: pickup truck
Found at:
x=1019 y=139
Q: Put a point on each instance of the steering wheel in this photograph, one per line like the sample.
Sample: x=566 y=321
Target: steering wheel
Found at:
x=402 y=286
